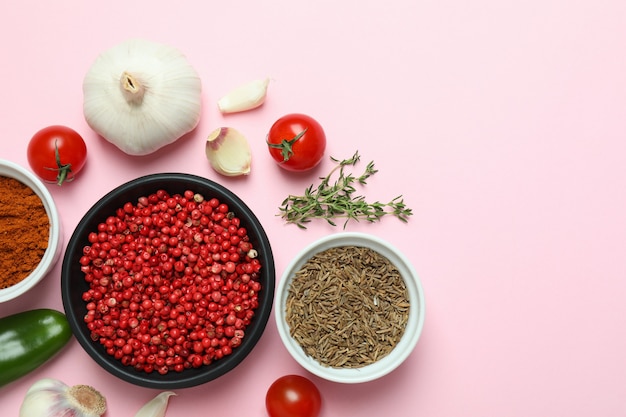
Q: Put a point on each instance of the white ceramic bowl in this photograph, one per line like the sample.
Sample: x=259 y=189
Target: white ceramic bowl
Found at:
x=51 y=255
x=413 y=328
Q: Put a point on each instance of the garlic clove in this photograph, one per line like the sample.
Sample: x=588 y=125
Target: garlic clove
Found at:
x=51 y=397
x=228 y=152
x=155 y=407
x=245 y=97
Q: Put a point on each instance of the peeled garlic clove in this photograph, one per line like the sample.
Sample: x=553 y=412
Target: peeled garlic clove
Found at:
x=228 y=152
x=155 y=407
x=245 y=97
x=51 y=397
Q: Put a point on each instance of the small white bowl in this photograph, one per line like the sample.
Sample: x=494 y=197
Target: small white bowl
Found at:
x=413 y=327
x=51 y=255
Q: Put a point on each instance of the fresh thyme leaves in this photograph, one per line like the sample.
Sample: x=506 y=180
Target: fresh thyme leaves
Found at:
x=337 y=200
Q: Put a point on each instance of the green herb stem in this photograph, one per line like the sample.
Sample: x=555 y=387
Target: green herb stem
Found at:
x=338 y=200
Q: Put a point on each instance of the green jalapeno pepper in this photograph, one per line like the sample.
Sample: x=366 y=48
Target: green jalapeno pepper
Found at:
x=28 y=339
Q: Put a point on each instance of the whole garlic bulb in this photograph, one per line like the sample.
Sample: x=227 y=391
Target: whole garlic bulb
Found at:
x=50 y=397
x=142 y=95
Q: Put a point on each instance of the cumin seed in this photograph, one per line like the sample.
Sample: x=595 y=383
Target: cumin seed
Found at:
x=347 y=307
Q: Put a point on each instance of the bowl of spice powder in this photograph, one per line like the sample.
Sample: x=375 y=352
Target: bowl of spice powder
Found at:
x=350 y=308
x=30 y=231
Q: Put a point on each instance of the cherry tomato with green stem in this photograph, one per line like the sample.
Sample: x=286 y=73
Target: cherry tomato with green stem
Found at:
x=297 y=142
x=293 y=395
x=56 y=154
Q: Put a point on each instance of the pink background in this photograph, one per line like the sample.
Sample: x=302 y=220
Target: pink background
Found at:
x=502 y=123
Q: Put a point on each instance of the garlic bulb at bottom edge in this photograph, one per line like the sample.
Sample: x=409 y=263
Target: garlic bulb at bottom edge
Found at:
x=142 y=95
x=51 y=397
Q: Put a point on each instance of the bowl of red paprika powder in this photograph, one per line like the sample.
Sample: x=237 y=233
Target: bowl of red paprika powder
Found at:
x=30 y=231
x=168 y=281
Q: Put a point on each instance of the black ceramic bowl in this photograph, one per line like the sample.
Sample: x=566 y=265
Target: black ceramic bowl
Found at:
x=73 y=284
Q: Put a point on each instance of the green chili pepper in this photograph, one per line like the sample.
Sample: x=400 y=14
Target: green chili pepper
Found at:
x=28 y=339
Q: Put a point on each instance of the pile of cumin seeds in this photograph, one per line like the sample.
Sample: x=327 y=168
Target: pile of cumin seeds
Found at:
x=347 y=307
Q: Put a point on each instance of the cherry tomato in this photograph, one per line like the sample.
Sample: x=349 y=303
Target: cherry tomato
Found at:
x=293 y=395
x=57 y=154
x=296 y=142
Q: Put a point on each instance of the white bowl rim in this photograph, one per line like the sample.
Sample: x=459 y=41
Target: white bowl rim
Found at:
x=413 y=329
x=51 y=255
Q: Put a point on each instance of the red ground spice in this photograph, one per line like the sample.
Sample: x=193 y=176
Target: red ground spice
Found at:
x=24 y=231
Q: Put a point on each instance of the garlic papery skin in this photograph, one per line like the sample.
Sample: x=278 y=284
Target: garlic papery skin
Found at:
x=228 y=152
x=155 y=407
x=142 y=95
x=245 y=97
x=52 y=398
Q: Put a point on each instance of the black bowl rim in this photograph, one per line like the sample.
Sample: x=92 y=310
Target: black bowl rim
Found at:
x=190 y=377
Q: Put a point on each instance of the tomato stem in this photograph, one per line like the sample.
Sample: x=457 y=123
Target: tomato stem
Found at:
x=286 y=145
x=64 y=170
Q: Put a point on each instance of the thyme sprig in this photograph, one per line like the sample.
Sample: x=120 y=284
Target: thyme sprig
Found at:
x=337 y=200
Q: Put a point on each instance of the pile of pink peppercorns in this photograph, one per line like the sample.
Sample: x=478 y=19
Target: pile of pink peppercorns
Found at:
x=173 y=282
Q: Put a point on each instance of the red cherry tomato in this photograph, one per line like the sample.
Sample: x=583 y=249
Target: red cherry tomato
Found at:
x=57 y=154
x=296 y=142
x=293 y=395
